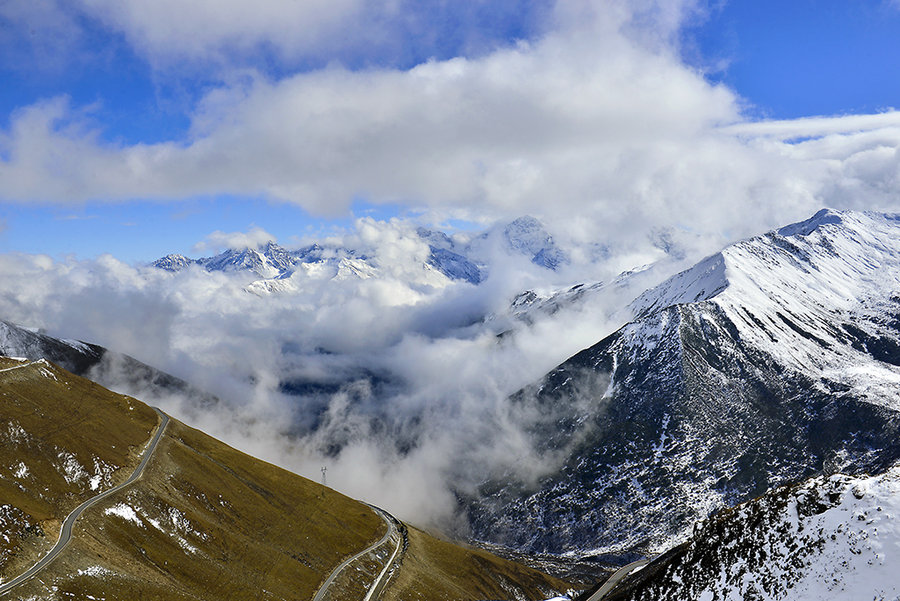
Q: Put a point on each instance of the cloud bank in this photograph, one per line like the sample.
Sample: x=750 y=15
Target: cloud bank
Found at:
x=596 y=118
x=398 y=383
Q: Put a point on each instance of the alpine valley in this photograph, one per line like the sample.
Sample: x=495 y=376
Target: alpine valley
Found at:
x=740 y=427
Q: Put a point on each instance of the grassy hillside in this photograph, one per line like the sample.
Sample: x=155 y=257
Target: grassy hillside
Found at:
x=56 y=450
x=205 y=521
x=434 y=569
x=208 y=522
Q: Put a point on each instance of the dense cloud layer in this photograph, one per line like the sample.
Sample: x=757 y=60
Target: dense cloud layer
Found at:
x=396 y=382
x=598 y=119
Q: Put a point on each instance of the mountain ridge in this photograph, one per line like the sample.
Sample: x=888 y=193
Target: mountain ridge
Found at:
x=458 y=261
x=734 y=376
x=831 y=537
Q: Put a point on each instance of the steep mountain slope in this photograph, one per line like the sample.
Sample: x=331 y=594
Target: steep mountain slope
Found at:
x=108 y=368
x=835 y=538
x=771 y=361
x=204 y=521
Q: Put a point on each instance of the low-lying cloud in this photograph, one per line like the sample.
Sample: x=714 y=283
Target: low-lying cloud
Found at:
x=398 y=385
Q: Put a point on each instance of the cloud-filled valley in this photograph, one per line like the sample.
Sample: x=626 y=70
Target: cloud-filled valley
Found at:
x=401 y=376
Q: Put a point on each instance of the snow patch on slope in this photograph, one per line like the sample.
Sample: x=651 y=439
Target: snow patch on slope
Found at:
x=835 y=538
x=126 y=512
x=815 y=296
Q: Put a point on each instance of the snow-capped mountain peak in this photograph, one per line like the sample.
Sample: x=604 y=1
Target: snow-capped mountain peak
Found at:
x=267 y=260
x=526 y=235
x=804 y=228
x=776 y=359
x=789 y=291
x=173 y=262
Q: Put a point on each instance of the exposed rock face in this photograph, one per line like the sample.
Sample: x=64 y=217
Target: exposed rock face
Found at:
x=772 y=361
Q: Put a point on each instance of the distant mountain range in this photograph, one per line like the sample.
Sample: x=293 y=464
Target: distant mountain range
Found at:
x=461 y=261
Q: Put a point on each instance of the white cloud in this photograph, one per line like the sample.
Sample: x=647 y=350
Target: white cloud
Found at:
x=810 y=127
x=218 y=240
x=219 y=35
x=596 y=126
x=561 y=119
x=168 y=30
x=597 y=123
x=39 y=35
x=435 y=415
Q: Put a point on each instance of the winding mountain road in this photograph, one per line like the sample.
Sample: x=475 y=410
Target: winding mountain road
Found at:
x=614 y=580
x=65 y=533
x=380 y=581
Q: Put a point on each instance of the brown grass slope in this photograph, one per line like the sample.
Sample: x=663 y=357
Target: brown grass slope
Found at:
x=57 y=449
x=438 y=570
x=205 y=521
x=208 y=522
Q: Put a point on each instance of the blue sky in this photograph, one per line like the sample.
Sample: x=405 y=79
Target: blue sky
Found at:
x=805 y=57
x=122 y=85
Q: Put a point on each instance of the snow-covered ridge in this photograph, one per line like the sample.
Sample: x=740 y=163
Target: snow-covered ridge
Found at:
x=268 y=260
x=714 y=274
x=816 y=295
x=701 y=282
x=835 y=538
x=804 y=228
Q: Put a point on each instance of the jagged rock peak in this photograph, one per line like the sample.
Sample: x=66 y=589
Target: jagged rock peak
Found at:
x=526 y=235
x=173 y=262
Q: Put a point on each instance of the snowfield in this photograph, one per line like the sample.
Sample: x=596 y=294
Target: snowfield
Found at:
x=835 y=538
x=816 y=296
